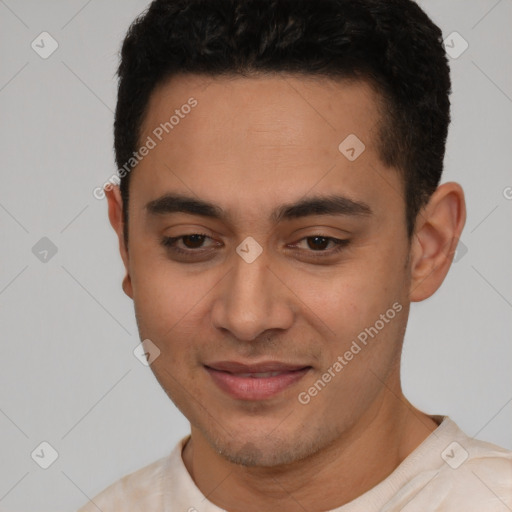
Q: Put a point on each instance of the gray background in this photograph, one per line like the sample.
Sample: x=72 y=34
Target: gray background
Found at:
x=68 y=374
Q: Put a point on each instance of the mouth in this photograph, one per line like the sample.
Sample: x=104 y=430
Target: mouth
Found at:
x=255 y=381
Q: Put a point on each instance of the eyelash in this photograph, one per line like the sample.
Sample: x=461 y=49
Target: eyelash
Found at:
x=169 y=243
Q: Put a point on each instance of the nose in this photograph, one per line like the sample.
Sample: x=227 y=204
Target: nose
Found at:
x=251 y=300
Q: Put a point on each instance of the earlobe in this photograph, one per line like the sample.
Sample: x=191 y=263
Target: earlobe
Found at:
x=438 y=229
x=115 y=215
x=127 y=285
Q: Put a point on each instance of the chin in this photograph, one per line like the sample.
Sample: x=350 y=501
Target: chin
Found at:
x=266 y=451
x=251 y=455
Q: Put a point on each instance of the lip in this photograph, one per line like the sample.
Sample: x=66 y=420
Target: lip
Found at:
x=232 y=378
x=264 y=366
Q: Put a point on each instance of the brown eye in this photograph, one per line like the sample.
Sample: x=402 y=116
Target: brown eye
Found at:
x=319 y=248
x=318 y=242
x=193 y=241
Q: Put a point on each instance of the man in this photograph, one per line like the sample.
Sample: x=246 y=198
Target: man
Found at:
x=279 y=209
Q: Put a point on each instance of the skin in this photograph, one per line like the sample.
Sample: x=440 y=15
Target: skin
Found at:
x=250 y=145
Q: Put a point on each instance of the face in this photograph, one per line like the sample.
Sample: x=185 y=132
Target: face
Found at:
x=277 y=313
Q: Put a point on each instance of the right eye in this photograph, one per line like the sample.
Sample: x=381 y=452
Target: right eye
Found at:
x=193 y=243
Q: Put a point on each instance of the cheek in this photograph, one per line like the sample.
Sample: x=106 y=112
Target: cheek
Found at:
x=164 y=307
x=162 y=294
x=351 y=297
x=171 y=306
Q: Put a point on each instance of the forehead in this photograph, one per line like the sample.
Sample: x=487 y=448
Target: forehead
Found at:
x=302 y=111
x=260 y=139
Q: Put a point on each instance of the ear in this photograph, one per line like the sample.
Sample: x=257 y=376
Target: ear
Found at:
x=437 y=232
x=115 y=215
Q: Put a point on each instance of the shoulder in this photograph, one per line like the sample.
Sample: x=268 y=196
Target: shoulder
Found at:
x=472 y=475
x=139 y=490
x=484 y=474
x=448 y=472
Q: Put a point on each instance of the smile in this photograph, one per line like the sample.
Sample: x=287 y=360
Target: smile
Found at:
x=245 y=382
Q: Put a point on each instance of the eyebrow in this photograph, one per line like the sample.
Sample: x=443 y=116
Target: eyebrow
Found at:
x=315 y=205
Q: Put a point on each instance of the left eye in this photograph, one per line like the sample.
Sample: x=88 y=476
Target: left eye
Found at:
x=318 y=243
x=191 y=241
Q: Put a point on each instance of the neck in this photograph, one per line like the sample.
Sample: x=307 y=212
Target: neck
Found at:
x=361 y=458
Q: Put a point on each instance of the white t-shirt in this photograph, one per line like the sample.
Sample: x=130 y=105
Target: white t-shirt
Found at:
x=448 y=471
